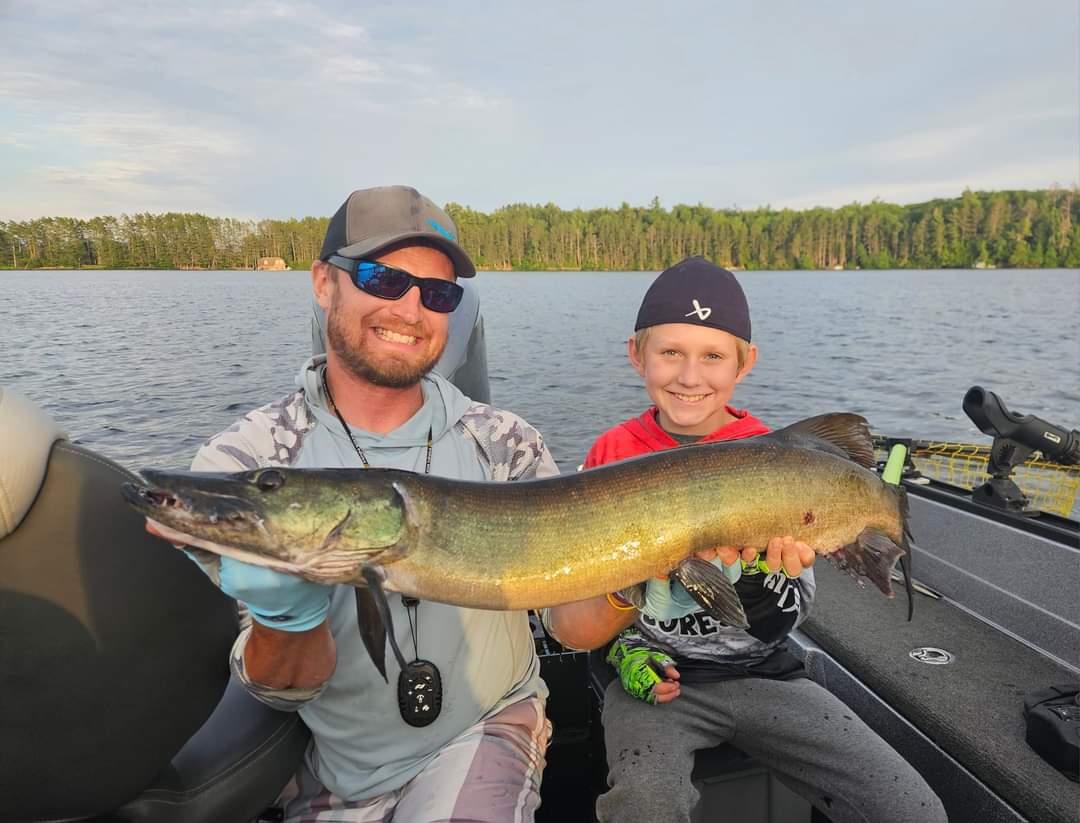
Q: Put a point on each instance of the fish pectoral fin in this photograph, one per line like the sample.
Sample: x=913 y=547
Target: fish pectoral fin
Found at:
x=372 y=631
x=841 y=433
x=709 y=586
x=377 y=624
x=873 y=556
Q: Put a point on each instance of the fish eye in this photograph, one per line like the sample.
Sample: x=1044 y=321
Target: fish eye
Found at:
x=269 y=480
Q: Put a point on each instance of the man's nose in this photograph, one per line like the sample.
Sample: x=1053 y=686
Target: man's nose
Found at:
x=408 y=306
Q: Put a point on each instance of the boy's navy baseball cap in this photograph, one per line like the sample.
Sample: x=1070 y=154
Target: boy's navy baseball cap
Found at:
x=370 y=220
x=698 y=292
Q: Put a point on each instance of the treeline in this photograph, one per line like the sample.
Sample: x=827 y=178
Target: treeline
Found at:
x=1010 y=228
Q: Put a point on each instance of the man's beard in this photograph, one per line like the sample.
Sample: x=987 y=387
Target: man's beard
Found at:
x=350 y=344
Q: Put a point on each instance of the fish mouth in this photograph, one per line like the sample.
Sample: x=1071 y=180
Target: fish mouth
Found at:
x=177 y=509
x=231 y=527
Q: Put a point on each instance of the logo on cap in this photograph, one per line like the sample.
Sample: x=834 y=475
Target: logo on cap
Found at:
x=702 y=313
x=444 y=232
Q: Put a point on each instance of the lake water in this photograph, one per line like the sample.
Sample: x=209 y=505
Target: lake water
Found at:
x=144 y=366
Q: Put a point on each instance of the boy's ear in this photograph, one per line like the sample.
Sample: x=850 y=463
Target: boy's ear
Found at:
x=635 y=356
x=748 y=363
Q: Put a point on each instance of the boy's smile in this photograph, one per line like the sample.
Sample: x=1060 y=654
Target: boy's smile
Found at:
x=690 y=373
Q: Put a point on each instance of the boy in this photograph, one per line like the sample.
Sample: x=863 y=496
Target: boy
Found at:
x=721 y=684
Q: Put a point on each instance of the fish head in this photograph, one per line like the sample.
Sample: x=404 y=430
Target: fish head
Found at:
x=323 y=525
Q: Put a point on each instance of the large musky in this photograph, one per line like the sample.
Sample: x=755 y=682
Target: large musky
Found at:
x=262 y=108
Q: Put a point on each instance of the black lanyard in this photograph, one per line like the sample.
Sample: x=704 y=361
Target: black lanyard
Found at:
x=419 y=685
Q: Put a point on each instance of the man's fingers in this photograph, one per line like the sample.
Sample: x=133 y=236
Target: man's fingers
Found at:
x=711 y=554
x=806 y=554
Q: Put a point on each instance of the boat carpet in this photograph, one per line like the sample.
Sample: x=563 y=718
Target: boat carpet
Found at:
x=971 y=707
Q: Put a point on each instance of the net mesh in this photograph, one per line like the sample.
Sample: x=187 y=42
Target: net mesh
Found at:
x=1051 y=487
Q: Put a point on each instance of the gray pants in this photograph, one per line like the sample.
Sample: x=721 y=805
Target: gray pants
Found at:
x=810 y=739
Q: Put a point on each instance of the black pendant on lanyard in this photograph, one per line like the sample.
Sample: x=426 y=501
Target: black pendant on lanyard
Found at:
x=419 y=686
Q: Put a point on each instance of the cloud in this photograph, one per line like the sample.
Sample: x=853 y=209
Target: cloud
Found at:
x=1031 y=174
x=269 y=107
x=930 y=144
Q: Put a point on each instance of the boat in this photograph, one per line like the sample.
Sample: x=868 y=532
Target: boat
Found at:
x=118 y=704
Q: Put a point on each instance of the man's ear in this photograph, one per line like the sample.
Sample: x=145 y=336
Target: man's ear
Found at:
x=748 y=364
x=636 y=359
x=323 y=283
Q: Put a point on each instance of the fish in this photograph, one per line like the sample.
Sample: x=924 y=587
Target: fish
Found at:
x=539 y=543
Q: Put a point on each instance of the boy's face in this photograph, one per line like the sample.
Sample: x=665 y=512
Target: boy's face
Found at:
x=690 y=373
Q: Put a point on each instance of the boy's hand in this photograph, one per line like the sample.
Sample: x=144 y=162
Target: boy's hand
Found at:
x=782 y=554
x=729 y=555
x=645 y=673
x=668 y=600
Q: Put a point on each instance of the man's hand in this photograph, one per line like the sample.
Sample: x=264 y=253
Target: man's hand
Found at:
x=275 y=600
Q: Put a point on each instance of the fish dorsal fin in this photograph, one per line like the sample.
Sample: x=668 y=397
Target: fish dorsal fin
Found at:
x=841 y=433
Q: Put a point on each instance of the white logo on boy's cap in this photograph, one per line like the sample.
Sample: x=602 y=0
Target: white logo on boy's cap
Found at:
x=702 y=313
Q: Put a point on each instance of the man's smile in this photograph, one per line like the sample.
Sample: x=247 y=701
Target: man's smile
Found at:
x=394 y=337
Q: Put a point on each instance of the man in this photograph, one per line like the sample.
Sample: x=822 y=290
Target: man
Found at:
x=461 y=733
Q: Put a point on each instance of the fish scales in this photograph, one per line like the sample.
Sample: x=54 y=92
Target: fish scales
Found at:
x=546 y=542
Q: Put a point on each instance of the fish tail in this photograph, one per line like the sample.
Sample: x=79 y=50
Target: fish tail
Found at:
x=873 y=555
x=905 y=545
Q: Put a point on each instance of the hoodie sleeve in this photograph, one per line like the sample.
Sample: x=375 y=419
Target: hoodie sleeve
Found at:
x=514 y=450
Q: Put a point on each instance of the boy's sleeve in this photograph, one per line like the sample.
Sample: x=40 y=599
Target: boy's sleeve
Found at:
x=774 y=603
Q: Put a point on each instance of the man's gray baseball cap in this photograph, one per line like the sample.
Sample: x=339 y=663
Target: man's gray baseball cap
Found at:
x=372 y=219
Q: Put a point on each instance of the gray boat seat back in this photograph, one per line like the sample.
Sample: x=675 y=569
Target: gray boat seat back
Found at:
x=113 y=648
x=463 y=363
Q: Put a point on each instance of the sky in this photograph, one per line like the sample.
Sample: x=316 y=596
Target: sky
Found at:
x=274 y=109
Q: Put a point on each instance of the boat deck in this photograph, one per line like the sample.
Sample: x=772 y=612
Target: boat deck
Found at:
x=971 y=708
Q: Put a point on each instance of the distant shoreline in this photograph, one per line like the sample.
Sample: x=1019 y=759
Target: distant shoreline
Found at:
x=1001 y=229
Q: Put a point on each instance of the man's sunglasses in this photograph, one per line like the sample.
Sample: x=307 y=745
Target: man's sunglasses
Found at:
x=392 y=284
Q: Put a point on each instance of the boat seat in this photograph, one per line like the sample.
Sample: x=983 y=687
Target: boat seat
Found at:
x=113 y=654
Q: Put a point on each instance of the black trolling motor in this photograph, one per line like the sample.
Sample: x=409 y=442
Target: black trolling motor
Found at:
x=1016 y=436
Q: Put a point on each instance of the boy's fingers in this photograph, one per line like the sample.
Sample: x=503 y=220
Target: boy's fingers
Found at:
x=774 y=554
x=665 y=692
x=710 y=554
x=793 y=566
x=729 y=555
x=749 y=554
x=671 y=673
x=806 y=554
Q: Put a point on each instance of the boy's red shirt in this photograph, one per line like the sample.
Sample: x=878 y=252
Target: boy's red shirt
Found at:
x=643 y=434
